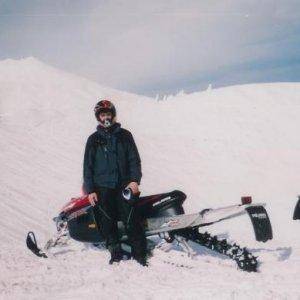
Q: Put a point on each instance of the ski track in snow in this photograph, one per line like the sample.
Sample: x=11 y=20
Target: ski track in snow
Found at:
x=216 y=146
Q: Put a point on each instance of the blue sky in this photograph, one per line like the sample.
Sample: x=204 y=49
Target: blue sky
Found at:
x=151 y=47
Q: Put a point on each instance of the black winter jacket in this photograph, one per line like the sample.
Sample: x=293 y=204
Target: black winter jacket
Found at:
x=111 y=159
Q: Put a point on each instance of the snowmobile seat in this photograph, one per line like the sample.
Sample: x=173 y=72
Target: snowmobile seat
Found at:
x=162 y=205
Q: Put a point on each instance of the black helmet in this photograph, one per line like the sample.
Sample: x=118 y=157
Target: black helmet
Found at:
x=104 y=106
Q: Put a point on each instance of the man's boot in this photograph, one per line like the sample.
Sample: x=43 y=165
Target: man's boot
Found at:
x=116 y=254
x=139 y=252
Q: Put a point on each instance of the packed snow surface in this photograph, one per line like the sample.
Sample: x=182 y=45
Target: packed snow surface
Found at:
x=216 y=146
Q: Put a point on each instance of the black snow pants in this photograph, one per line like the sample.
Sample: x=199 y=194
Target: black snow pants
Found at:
x=112 y=207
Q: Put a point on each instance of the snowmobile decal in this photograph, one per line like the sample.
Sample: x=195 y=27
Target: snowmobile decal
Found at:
x=171 y=223
x=78 y=213
x=161 y=201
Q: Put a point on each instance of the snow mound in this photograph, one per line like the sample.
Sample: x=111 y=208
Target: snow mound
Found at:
x=216 y=146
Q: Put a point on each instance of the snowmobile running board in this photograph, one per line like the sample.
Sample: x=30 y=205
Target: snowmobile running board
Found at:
x=257 y=213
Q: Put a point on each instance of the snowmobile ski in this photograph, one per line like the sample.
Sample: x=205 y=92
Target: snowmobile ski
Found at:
x=32 y=245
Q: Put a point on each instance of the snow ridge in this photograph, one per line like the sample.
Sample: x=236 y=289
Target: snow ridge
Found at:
x=216 y=146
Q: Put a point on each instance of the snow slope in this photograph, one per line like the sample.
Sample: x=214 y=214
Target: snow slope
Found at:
x=215 y=145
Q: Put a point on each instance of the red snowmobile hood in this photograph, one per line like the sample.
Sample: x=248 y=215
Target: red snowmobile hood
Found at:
x=76 y=203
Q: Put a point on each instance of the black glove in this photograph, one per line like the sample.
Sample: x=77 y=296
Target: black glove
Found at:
x=129 y=197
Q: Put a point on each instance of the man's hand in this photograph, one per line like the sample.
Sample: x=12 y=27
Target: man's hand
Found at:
x=93 y=198
x=134 y=187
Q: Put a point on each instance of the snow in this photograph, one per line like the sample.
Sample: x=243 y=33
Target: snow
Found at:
x=216 y=146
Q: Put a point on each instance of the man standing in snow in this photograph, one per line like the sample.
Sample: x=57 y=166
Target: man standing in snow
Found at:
x=112 y=163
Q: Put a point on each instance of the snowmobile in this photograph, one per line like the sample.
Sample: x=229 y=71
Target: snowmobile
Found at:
x=162 y=215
